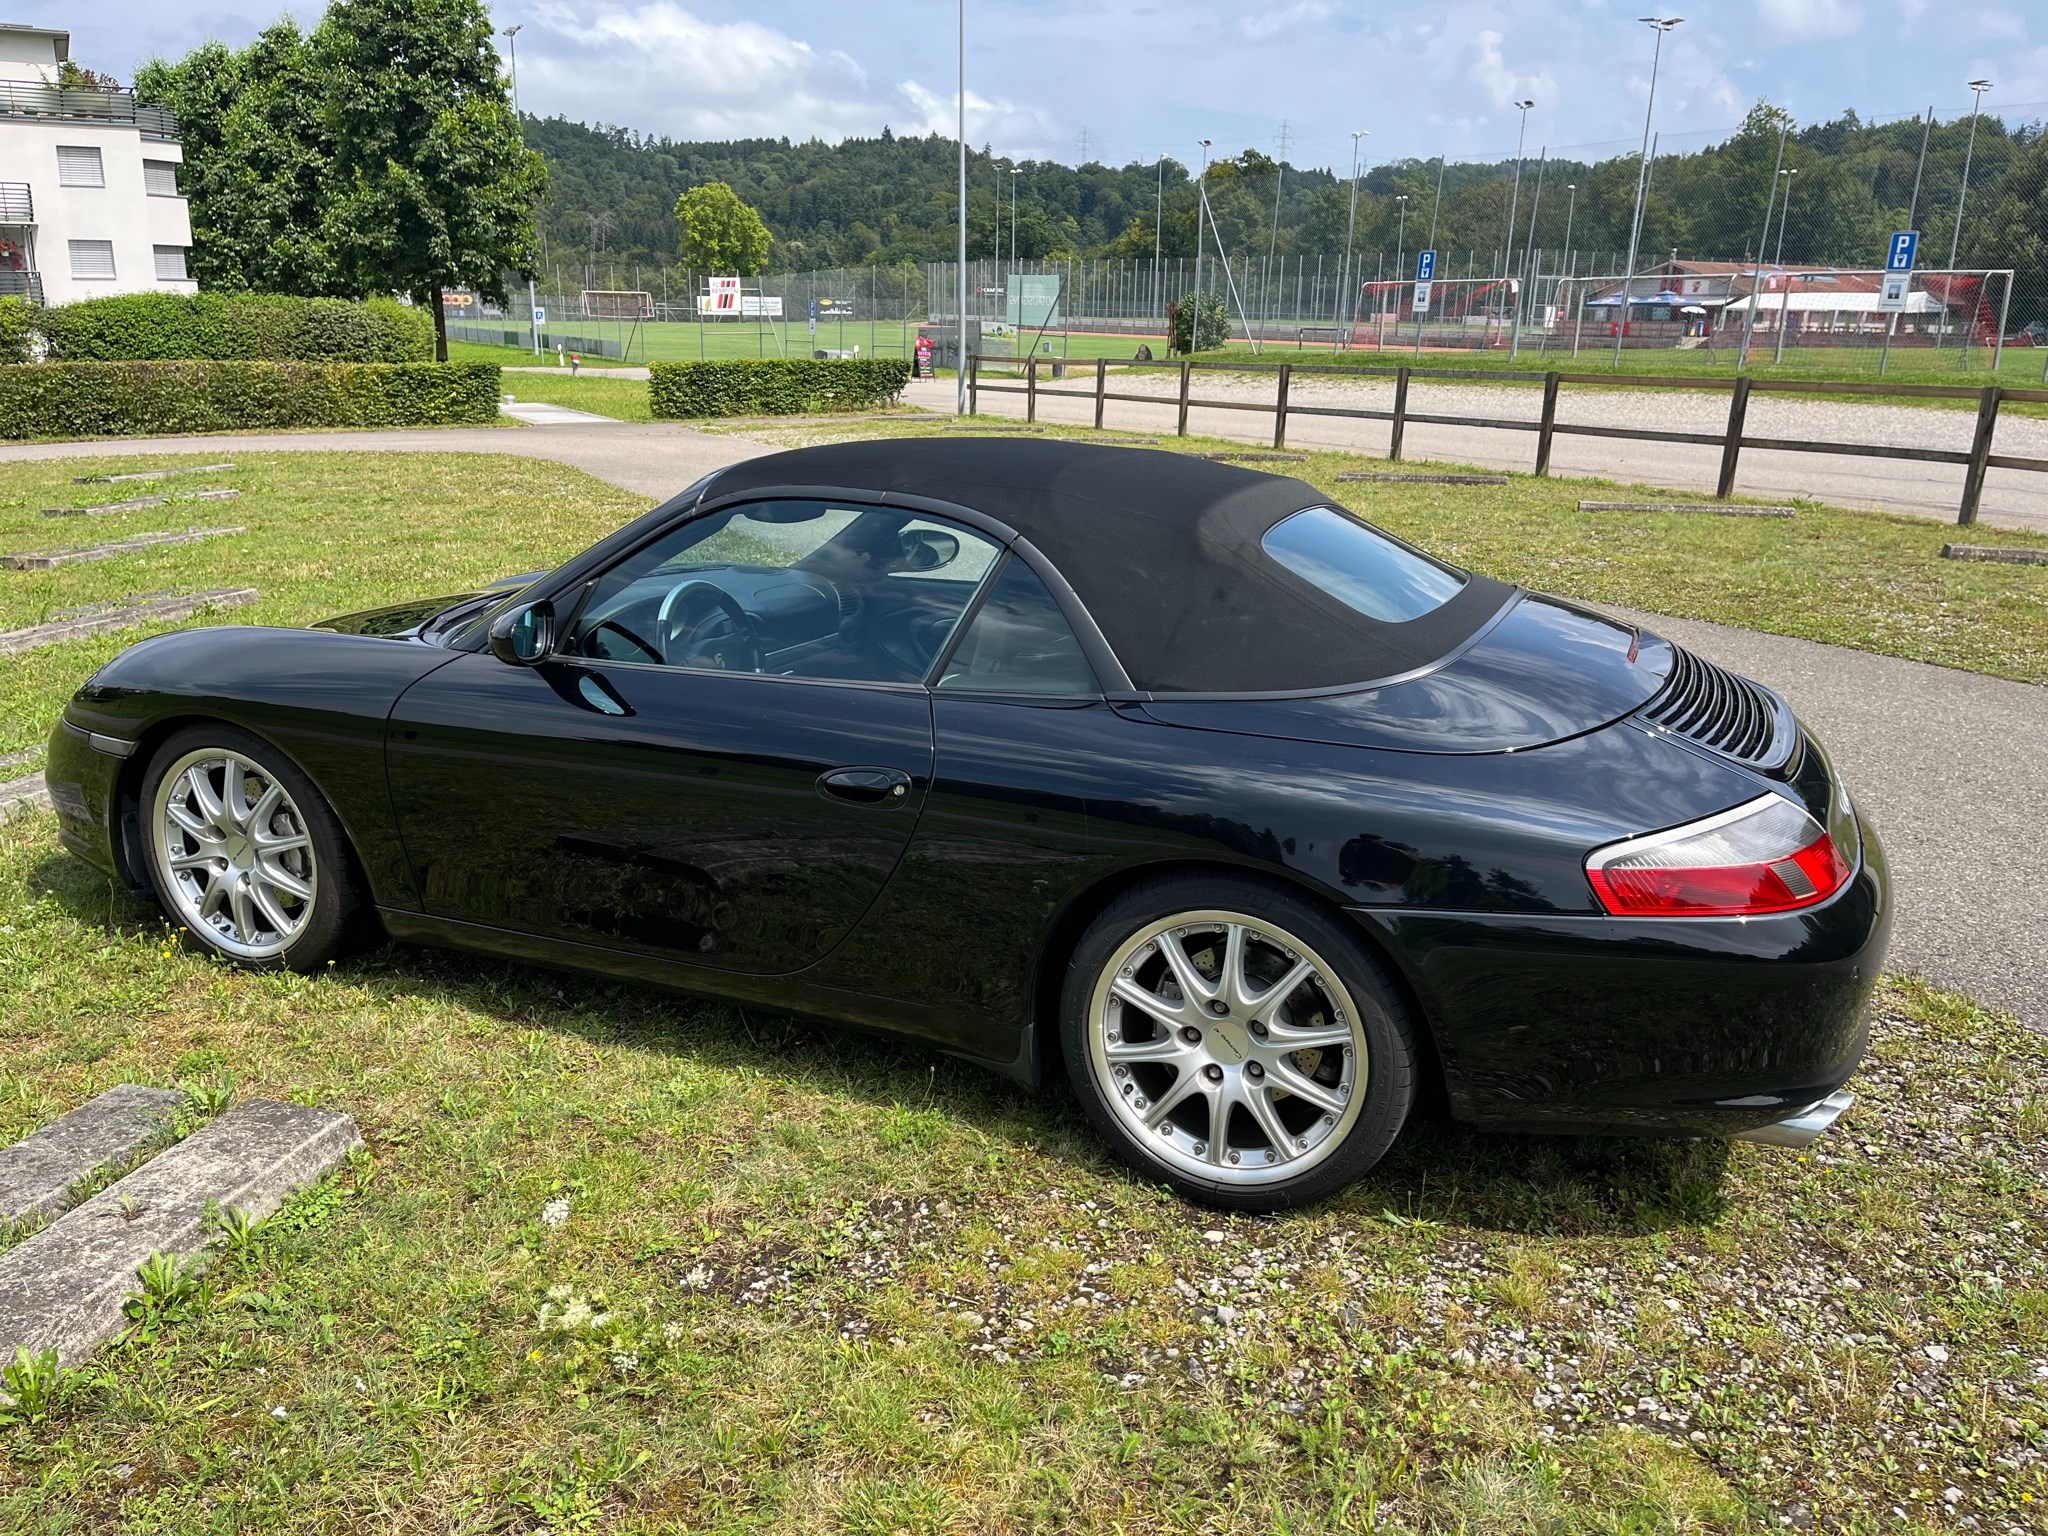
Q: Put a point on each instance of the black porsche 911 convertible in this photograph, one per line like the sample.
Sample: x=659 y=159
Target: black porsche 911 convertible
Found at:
x=1258 y=821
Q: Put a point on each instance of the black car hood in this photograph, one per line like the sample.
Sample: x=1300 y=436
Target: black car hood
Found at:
x=402 y=621
x=1545 y=671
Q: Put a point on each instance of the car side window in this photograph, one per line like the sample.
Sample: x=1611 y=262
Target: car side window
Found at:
x=1019 y=642
x=807 y=589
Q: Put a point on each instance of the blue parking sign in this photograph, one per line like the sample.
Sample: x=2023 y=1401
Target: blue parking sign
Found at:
x=1425 y=266
x=1904 y=247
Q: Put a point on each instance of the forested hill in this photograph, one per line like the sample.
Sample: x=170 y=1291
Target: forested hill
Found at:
x=891 y=199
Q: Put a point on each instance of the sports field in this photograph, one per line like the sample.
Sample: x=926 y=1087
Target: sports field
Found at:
x=680 y=341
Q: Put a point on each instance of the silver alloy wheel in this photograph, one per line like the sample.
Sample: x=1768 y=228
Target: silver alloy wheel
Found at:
x=1227 y=1047
x=234 y=852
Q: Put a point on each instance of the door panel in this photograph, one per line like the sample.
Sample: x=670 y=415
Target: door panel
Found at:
x=671 y=812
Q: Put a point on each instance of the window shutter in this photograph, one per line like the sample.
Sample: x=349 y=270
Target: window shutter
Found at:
x=170 y=263
x=92 y=258
x=160 y=178
x=78 y=165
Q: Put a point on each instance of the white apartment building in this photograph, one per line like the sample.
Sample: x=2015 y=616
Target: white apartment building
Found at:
x=89 y=200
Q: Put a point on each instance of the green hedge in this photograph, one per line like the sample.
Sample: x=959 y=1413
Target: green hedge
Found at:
x=143 y=399
x=17 y=330
x=774 y=386
x=257 y=327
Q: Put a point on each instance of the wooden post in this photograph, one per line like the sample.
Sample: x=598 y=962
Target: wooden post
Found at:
x=1101 y=379
x=1400 y=413
x=1184 y=366
x=1031 y=387
x=1546 y=429
x=1280 y=407
x=1980 y=451
x=973 y=367
x=1731 y=445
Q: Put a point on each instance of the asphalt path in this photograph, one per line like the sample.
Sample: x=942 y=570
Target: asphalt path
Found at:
x=2012 y=498
x=1952 y=766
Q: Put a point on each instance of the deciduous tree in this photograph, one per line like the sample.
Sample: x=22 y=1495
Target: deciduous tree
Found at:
x=720 y=233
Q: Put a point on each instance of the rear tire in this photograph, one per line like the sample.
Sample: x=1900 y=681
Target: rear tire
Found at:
x=245 y=854
x=1232 y=1038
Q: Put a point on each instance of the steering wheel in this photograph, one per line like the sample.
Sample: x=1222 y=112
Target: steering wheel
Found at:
x=703 y=625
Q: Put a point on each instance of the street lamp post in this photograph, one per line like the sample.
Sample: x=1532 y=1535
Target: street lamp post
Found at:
x=1401 y=240
x=1977 y=90
x=1784 y=215
x=1507 y=259
x=1015 y=172
x=1660 y=25
x=1350 y=224
x=512 y=53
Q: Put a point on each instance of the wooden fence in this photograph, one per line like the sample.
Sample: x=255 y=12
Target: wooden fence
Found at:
x=1731 y=440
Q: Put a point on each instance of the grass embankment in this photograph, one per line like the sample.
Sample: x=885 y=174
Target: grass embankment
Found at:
x=618 y=1261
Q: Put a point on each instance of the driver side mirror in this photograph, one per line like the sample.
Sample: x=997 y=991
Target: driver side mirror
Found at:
x=927 y=549
x=523 y=636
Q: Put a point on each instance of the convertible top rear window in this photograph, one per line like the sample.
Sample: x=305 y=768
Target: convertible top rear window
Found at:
x=1361 y=567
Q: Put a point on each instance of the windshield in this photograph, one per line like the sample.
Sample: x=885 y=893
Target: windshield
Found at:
x=1361 y=567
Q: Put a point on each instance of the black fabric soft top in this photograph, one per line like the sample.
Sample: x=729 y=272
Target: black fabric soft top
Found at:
x=1163 y=549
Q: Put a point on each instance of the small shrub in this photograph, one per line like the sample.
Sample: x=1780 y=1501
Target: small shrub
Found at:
x=143 y=399
x=1209 y=316
x=774 y=386
x=238 y=327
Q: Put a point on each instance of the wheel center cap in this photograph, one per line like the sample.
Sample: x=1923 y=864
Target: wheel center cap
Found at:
x=238 y=849
x=1227 y=1041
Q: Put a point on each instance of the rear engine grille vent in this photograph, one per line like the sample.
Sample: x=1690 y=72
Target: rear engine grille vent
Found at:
x=1724 y=711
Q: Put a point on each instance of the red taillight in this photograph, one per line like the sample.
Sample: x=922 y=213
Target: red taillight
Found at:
x=1766 y=856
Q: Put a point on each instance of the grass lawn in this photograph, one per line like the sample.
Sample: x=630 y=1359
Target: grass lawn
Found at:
x=621 y=399
x=618 y=1261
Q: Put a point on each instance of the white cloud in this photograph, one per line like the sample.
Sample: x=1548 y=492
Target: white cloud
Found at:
x=1269 y=23
x=1489 y=68
x=1811 y=18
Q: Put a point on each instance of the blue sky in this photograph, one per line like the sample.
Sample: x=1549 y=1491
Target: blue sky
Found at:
x=1155 y=76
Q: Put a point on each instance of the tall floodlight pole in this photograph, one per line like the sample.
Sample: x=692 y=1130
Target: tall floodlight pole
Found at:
x=960 y=353
x=1977 y=90
x=1756 y=279
x=1529 y=251
x=1660 y=25
x=1344 y=271
x=512 y=53
x=1778 y=261
x=1401 y=239
x=1784 y=214
x=1015 y=172
x=1507 y=257
x=1158 y=219
x=1201 y=201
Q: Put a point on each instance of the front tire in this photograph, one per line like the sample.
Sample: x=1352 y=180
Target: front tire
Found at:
x=1230 y=1037
x=244 y=854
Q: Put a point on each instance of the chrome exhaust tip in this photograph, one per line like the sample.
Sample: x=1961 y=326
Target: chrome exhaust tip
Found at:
x=1804 y=1127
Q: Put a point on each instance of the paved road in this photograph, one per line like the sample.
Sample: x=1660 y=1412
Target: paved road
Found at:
x=2012 y=498
x=1953 y=766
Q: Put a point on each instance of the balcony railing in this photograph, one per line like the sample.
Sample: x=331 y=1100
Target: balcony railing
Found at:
x=17 y=203
x=21 y=285
x=26 y=99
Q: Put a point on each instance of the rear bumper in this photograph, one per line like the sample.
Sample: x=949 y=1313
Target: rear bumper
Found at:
x=1710 y=1027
